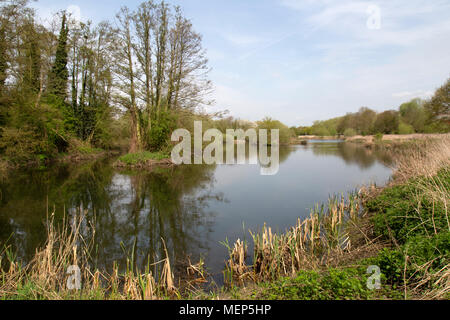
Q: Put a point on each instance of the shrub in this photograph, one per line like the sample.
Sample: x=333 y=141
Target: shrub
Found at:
x=379 y=137
x=332 y=284
x=141 y=157
x=404 y=128
x=160 y=131
x=349 y=132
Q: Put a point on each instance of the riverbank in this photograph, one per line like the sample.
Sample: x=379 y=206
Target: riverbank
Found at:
x=402 y=230
x=80 y=153
x=389 y=140
x=323 y=257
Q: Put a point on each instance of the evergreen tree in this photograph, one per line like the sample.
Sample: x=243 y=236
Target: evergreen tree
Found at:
x=59 y=73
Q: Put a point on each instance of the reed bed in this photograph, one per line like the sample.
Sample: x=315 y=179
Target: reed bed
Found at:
x=46 y=276
x=318 y=240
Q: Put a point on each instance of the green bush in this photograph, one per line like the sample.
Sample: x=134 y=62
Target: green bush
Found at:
x=391 y=264
x=404 y=128
x=403 y=211
x=349 y=132
x=161 y=130
x=142 y=157
x=333 y=284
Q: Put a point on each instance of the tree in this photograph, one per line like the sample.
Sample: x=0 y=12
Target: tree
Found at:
x=269 y=124
x=364 y=121
x=59 y=73
x=127 y=76
x=438 y=108
x=413 y=114
x=160 y=69
x=387 y=122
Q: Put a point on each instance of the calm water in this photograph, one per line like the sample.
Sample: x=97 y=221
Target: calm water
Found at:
x=193 y=208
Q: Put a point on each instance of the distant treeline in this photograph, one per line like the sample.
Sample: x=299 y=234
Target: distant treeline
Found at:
x=415 y=116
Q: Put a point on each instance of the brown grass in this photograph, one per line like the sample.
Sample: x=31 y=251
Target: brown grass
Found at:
x=321 y=239
x=45 y=277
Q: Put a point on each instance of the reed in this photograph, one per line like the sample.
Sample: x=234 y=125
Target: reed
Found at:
x=312 y=242
x=45 y=277
x=347 y=228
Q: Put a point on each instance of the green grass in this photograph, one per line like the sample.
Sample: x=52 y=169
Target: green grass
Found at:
x=331 y=284
x=89 y=150
x=142 y=157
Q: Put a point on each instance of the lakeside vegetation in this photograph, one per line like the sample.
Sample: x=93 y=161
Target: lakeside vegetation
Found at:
x=75 y=90
x=403 y=228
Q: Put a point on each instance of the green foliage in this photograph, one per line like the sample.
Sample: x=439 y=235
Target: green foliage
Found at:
x=417 y=224
x=142 y=157
x=349 y=132
x=285 y=134
x=23 y=144
x=438 y=109
x=59 y=73
x=391 y=263
x=160 y=131
x=396 y=210
x=333 y=284
x=431 y=250
x=404 y=128
x=387 y=122
x=325 y=128
x=414 y=115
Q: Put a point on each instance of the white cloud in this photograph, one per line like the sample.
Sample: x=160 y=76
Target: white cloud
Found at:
x=75 y=12
x=413 y=94
x=241 y=39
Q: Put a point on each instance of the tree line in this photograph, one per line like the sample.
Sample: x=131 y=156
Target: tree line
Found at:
x=415 y=116
x=71 y=85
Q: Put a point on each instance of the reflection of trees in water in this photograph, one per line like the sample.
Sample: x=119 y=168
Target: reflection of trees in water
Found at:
x=26 y=193
x=351 y=153
x=136 y=208
x=169 y=204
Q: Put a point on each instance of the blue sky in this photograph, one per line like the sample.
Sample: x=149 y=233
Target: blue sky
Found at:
x=305 y=60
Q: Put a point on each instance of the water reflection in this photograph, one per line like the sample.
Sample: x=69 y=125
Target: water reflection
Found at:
x=191 y=207
x=351 y=153
x=133 y=210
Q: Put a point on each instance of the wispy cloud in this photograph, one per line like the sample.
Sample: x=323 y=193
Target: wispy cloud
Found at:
x=242 y=40
x=413 y=94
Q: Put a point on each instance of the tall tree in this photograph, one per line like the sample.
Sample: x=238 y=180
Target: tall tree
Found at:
x=59 y=74
x=438 y=107
x=126 y=76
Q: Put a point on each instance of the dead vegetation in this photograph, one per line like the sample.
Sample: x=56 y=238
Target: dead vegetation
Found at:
x=68 y=249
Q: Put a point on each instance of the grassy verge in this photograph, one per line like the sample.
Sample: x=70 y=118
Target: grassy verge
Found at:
x=143 y=159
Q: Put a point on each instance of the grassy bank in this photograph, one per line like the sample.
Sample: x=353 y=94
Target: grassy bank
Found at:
x=77 y=151
x=144 y=159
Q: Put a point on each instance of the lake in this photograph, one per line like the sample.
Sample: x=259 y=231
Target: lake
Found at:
x=193 y=208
